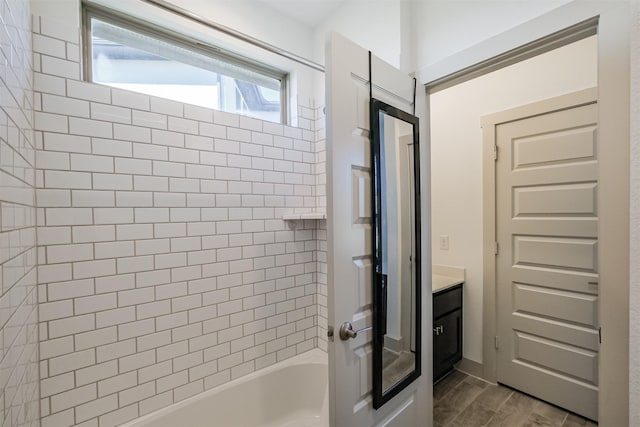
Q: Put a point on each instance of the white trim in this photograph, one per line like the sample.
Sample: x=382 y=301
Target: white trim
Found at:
x=546 y=44
x=562 y=102
x=538 y=28
x=634 y=298
x=472 y=368
x=613 y=190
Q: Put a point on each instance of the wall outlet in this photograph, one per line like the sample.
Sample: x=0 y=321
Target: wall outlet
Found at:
x=444 y=243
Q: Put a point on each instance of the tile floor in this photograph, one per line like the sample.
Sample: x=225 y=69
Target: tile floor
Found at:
x=463 y=401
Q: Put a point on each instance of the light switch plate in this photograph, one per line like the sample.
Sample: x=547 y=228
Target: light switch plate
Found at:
x=444 y=243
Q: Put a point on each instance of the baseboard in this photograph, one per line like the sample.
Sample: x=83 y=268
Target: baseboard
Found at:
x=470 y=367
x=393 y=344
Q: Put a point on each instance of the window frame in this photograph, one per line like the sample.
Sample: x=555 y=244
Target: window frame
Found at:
x=114 y=17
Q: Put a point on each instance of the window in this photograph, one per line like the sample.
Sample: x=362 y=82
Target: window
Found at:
x=135 y=56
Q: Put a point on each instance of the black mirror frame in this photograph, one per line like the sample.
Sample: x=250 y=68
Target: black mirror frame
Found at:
x=380 y=397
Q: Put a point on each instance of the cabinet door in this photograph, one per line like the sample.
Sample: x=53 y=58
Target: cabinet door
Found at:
x=447 y=342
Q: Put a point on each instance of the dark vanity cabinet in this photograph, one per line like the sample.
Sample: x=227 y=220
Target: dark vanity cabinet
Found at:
x=447 y=330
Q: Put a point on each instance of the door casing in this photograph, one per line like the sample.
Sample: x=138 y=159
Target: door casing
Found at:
x=613 y=29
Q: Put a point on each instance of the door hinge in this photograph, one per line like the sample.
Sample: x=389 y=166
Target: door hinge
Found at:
x=495 y=152
x=496 y=342
x=600 y=335
x=496 y=249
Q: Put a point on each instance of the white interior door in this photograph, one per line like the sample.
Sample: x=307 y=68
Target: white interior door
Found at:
x=349 y=238
x=547 y=267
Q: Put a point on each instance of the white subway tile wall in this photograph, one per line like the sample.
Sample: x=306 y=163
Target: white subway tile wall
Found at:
x=318 y=121
x=165 y=266
x=19 y=381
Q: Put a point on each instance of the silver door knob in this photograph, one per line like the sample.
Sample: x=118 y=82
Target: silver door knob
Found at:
x=346 y=331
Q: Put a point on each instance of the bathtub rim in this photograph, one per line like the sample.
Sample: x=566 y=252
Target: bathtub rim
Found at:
x=315 y=356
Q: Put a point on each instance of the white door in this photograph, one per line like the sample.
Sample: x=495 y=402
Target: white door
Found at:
x=547 y=266
x=349 y=238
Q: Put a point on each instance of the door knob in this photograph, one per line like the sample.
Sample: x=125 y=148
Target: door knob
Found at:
x=346 y=331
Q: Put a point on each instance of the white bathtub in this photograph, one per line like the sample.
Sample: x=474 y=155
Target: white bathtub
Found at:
x=290 y=393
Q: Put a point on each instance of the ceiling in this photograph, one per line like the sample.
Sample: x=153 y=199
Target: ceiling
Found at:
x=307 y=12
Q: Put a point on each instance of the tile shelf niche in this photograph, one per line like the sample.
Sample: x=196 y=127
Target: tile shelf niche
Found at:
x=302 y=216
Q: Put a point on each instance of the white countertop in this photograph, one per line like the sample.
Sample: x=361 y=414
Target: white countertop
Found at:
x=440 y=282
x=446 y=276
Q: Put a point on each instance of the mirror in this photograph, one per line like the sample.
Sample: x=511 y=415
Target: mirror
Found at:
x=396 y=227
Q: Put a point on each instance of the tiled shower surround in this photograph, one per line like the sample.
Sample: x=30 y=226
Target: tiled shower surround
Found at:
x=165 y=268
x=18 y=299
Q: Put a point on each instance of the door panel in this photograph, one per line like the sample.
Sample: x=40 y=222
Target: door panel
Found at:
x=556 y=304
x=568 y=360
x=349 y=236
x=555 y=174
x=573 y=199
x=576 y=335
x=560 y=227
x=557 y=147
x=569 y=281
x=555 y=252
x=547 y=267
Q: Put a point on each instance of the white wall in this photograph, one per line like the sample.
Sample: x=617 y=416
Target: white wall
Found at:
x=249 y=17
x=256 y=19
x=380 y=26
x=456 y=163
x=61 y=10
x=443 y=28
x=384 y=27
